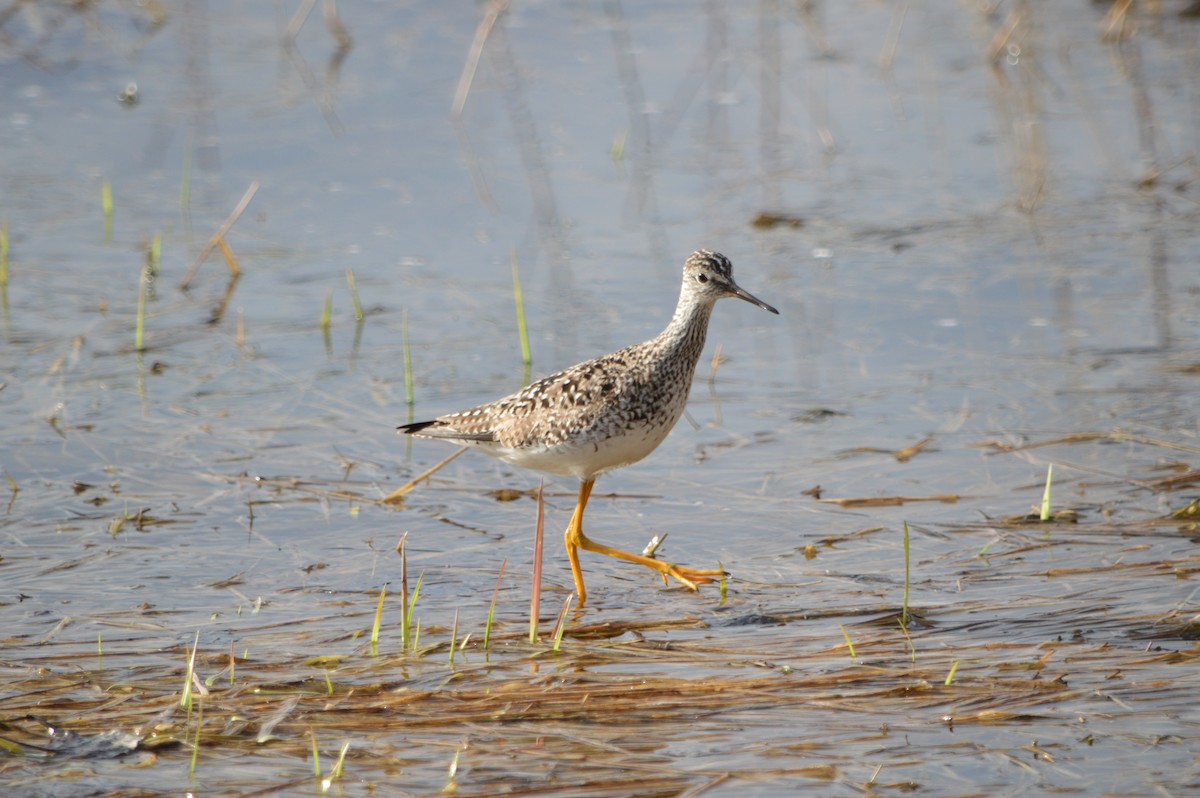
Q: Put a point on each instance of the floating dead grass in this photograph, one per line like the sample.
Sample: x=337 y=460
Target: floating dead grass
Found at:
x=599 y=716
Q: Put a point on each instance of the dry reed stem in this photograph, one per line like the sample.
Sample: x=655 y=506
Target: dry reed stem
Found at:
x=890 y=501
x=1117 y=25
x=219 y=235
x=397 y=496
x=230 y=259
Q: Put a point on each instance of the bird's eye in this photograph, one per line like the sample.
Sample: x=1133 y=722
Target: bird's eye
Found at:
x=702 y=277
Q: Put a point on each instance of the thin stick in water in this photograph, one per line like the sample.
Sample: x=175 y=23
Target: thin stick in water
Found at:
x=536 y=594
x=230 y=259
x=403 y=592
x=397 y=496
x=907 y=560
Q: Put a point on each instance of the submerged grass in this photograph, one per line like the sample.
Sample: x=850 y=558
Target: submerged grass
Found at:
x=611 y=700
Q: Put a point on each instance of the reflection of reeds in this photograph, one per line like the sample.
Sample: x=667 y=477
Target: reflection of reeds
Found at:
x=326 y=321
x=1020 y=103
x=410 y=395
x=4 y=252
x=196 y=738
x=526 y=357
x=106 y=206
x=353 y=286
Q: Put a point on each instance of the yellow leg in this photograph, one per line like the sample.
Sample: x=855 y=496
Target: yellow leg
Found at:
x=572 y=536
x=575 y=540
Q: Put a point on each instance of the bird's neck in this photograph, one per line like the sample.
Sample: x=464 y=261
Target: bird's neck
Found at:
x=688 y=327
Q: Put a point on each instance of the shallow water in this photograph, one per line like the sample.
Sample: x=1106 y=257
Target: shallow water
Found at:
x=993 y=252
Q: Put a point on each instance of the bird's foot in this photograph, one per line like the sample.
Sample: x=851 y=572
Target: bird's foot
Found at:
x=691 y=578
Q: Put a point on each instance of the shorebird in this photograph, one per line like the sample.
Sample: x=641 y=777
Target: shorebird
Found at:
x=604 y=413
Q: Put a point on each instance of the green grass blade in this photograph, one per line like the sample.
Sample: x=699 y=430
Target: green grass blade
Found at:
x=154 y=254
x=186 y=699
x=561 y=626
x=358 y=308
x=849 y=643
x=412 y=605
x=487 y=629
x=378 y=621
x=950 y=675
x=1045 y=515
x=336 y=772
x=404 y=630
x=316 y=755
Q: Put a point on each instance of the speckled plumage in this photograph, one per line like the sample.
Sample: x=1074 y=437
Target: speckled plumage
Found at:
x=606 y=412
